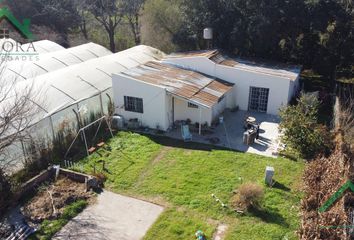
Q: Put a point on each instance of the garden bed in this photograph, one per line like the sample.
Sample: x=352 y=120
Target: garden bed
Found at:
x=47 y=205
x=51 y=200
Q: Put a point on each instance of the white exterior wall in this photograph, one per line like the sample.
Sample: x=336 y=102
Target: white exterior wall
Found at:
x=218 y=109
x=294 y=88
x=154 y=101
x=280 y=89
x=183 y=112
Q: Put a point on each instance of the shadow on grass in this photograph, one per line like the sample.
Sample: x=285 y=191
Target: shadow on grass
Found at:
x=281 y=186
x=289 y=156
x=269 y=216
x=176 y=143
x=126 y=168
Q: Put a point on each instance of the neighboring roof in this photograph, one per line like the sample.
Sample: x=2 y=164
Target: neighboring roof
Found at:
x=22 y=70
x=276 y=69
x=62 y=88
x=193 y=86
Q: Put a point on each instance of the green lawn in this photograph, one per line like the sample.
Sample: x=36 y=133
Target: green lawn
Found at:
x=183 y=178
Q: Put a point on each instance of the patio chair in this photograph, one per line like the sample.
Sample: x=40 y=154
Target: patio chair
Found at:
x=186 y=134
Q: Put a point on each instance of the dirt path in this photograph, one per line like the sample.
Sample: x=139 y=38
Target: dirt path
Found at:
x=220 y=232
x=161 y=154
x=156 y=160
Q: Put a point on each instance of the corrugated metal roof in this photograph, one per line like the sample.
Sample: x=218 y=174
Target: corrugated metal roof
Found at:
x=275 y=69
x=193 y=86
x=202 y=53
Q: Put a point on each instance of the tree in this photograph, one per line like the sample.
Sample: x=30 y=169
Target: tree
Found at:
x=132 y=11
x=300 y=127
x=82 y=9
x=161 y=20
x=18 y=109
x=109 y=14
x=317 y=34
x=61 y=16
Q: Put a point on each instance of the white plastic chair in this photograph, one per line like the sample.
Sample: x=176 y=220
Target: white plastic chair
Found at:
x=187 y=136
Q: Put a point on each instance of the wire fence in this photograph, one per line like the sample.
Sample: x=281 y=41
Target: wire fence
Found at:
x=57 y=128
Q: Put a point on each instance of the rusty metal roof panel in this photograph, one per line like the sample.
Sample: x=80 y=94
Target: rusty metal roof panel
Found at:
x=186 y=84
x=269 y=68
x=203 y=53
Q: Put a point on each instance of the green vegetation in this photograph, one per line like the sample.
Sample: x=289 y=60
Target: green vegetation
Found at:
x=182 y=177
x=301 y=128
x=50 y=227
x=179 y=224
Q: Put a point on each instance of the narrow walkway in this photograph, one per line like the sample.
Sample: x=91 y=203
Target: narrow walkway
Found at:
x=113 y=217
x=220 y=232
x=157 y=159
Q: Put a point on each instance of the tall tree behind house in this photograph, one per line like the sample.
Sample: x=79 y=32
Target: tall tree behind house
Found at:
x=109 y=13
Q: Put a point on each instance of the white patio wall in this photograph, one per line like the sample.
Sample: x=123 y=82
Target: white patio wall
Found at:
x=154 y=101
x=183 y=112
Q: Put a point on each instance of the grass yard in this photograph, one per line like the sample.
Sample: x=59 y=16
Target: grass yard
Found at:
x=182 y=177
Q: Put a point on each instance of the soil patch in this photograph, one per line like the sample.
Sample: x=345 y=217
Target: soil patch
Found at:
x=51 y=200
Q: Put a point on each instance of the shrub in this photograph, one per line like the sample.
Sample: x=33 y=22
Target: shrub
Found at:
x=300 y=127
x=248 y=195
x=5 y=191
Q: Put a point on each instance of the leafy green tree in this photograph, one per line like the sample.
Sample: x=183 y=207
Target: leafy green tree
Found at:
x=315 y=33
x=132 y=10
x=61 y=16
x=300 y=127
x=109 y=13
x=161 y=20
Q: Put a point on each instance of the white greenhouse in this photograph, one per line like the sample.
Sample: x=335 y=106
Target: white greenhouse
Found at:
x=23 y=70
x=84 y=83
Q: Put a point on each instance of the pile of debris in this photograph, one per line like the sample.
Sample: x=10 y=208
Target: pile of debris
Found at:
x=51 y=200
x=323 y=177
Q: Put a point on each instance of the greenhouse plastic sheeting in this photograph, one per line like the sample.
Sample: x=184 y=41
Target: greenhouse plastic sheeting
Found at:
x=44 y=46
x=85 y=85
x=56 y=60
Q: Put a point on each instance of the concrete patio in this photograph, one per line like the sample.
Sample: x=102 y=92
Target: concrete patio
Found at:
x=113 y=217
x=230 y=133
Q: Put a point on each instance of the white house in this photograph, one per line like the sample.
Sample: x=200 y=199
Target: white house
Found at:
x=258 y=87
x=159 y=94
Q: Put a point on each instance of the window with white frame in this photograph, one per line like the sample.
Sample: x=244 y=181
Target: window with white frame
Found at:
x=133 y=104
x=192 y=105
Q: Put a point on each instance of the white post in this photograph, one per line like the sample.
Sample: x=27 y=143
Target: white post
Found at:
x=200 y=120
x=83 y=132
